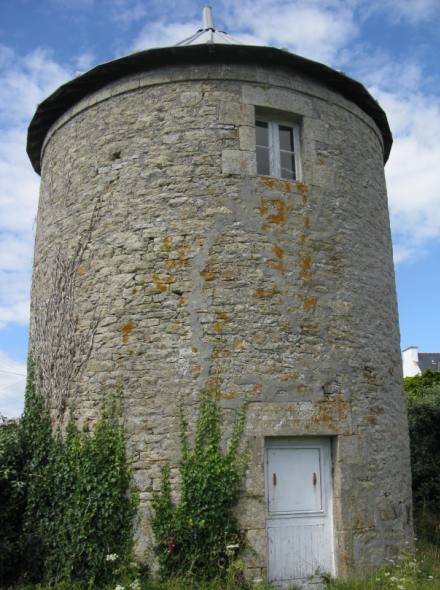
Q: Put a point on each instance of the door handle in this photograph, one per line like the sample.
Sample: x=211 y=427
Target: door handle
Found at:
x=274 y=479
x=314 y=479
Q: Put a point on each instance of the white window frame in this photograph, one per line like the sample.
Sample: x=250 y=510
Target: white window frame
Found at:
x=275 y=151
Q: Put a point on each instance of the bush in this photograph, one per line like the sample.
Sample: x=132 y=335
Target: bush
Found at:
x=75 y=502
x=193 y=536
x=12 y=501
x=423 y=392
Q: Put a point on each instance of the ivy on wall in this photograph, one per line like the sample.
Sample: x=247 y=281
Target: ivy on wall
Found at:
x=194 y=534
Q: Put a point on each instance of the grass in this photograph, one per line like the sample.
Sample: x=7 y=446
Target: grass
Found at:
x=418 y=571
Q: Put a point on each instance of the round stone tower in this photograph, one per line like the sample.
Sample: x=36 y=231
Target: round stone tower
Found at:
x=214 y=216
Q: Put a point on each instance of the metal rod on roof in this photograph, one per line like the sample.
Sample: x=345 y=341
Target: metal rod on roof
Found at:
x=208 y=22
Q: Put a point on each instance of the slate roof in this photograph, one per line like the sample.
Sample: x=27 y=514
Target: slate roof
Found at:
x=429 y=360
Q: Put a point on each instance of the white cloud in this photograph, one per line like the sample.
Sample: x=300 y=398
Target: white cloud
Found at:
x=24 y=81
x=315 y=29
x=12 y=384
x=85 y=61
x=412 y=11
x=163 y=34
x=124 y=12
x=412 y=170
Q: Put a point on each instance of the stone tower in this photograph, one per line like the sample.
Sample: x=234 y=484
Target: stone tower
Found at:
x=214 y=216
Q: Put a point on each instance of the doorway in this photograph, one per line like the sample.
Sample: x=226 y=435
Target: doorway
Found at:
x=299 y=509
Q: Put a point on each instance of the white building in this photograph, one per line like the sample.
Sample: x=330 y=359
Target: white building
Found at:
x=415 y=362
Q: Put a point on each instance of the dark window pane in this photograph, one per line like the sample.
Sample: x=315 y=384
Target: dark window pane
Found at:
x=286 y=138
x=262 y=133
x=287 y=165
x=263 y=166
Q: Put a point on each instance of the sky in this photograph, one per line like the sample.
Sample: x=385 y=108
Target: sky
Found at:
x=391 y=46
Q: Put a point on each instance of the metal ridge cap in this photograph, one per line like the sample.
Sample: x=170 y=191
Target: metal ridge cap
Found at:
x=73 y=91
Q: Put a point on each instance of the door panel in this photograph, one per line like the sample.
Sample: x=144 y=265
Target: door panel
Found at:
x=299 y=509
x=296 y=551
x=294 y=480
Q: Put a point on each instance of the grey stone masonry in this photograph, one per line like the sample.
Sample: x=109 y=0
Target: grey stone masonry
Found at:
x=165 y=265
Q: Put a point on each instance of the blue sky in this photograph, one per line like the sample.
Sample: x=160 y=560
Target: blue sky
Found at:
x=392 y=46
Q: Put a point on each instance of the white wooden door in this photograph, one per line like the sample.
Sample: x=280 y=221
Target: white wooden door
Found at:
x=299 y=509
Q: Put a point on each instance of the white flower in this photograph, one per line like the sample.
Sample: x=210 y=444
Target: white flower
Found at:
x=119 y=587
x=111 y=557
x=430 y=577
x=135 y=585
x=232 y=547
x=401 y=587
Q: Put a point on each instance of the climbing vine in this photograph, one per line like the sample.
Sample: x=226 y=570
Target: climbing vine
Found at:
x=60 y=349
x=194 y=534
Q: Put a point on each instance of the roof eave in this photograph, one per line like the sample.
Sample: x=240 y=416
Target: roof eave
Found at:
x=73 y=91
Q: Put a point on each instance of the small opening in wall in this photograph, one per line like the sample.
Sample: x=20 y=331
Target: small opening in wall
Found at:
x=278 y=144
x=116 y=155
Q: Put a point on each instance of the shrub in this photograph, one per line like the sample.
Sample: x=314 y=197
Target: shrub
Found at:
x=192 y=536
x=75 y=504
x=424 y=419
x=12 y=501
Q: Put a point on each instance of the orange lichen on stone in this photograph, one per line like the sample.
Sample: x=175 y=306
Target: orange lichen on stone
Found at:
x=222 y=315
x=134 y=291
x=81 y=270
x=257 y=388
x=182 y=260
x=302 y=187
x=194 y=349
x=166 y=243
x=280 y=216
x=288 y=376
x=305 y=266
x=262 y=208
x=278 y=251
x=276 y=183
x=162 y=282
x=230 y=395
x=207 y=275
x=372 y=420
x=126 y=330
x=306 y=221
x=264 y=293
x=176 y=263
x=218 y=327
x=184 y=251
x=196 y=370
x=213 y=386
x=279 y=266
x=310 y=303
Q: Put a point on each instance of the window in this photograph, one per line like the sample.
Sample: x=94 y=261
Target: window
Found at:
x=277 y=149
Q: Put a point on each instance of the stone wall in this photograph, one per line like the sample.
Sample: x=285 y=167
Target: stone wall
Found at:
x=164 y=265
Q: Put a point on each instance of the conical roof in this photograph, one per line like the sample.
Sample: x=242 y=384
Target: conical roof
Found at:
x=207 y=46
x=208 y=33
